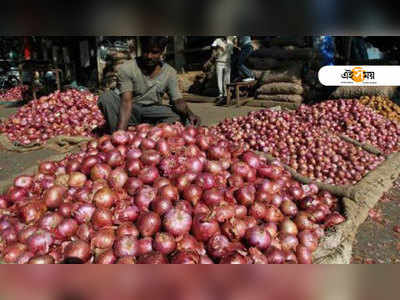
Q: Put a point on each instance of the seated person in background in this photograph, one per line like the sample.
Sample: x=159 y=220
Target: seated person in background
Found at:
x=142 y=84
x=241 y=72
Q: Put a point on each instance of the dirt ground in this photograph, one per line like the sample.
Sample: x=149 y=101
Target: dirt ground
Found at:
x=376 y=242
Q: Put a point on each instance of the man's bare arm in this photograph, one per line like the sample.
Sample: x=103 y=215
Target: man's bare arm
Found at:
x=125 y=110
x=183 y=110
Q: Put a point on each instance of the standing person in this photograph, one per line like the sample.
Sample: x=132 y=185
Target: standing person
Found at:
x=246 y=48
x=223 y=49
x=142 y=83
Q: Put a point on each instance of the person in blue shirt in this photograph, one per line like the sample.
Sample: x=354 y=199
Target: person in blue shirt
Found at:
x=240 y=70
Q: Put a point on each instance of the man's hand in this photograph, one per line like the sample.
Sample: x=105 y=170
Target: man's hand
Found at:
x=194 y=119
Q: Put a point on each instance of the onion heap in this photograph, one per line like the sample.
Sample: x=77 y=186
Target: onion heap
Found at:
x=355 y=120
x=71 y=113
x=305 y=147
x=383 y=105
x=14 y=94
x=163 y=194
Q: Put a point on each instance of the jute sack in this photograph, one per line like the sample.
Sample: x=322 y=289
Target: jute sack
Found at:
x=60 y=144
x=348 y=92
x=277 y=88
x=290 y=74
x=262 y=63
x=284 y=98
x=285 y=54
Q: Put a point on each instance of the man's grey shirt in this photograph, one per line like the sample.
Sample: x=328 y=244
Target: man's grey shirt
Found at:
x=148 y=91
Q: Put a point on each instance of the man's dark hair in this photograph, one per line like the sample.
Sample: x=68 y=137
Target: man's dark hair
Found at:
x=152 y=42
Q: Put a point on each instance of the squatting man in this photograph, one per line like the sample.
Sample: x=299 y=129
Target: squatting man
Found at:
x=143 y=81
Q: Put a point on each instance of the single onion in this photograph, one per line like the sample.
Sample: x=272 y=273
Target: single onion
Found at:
x=204 y=227
x=127 y=228
x=148 y=223
x=177 y=222
x=78 y=249
x=103 y=239
x=258 y=237
x=164 y=243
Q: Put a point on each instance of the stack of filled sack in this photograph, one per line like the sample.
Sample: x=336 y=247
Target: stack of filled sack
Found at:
x=278 y=67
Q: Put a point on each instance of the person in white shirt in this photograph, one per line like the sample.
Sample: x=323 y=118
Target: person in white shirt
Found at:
x=223 y=49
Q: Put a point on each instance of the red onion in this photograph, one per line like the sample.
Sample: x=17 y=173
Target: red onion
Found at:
x=289 y=208
x=275 y=256
x=77 y=249
x=150 y=158
x=126 y=260
x=106 y=258
x=145 y=245
x=132 y=185
x=273 y=214
x=152 y=258
x=334 y=219
x=102 y=217
x=118 y=178
x=104 y=198
x=24 y=182
x=47 y=168
x=25 y=233
x=17 y=195
x=164 y=243
x=148 y=223
x=13 y=252
x=169 y=192
x=100 y=171
x=41 y=260
x=240 y=211
x=9 y=235
x=30 y=213
x=39 y=243
x=245 y=195
x=84 y=232
x=119 y=138
x=177 y=222
x=144 y=197
x=76 y=179
x=127 y=228
x=83 y=212
x=235 y=229
x=204 y=227
x=258 y=237
x=303 y=221
x=257 y=257
x=148 y=174
x=218 y=246
x=205 y=260
x=258 y=210
x=205 y=181
x=103 y=239
x=50 y=221
x=303 y=255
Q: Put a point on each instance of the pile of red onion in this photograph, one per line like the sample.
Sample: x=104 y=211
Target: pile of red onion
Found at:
x=71 y=113
x=354 y=120
x=163 y=194
x=307 y=148
x=14 y=94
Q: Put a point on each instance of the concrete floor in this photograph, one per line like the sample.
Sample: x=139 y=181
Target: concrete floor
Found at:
x=375 y=243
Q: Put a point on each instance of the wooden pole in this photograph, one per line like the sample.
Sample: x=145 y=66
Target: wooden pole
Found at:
x=179 y=47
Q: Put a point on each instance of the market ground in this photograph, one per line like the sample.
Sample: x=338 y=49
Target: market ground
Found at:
x=376 y=241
